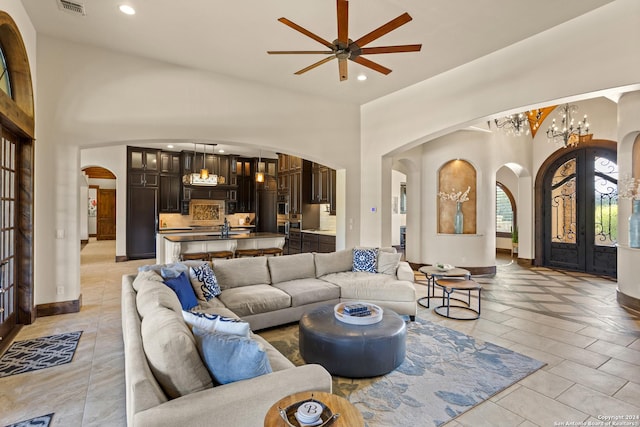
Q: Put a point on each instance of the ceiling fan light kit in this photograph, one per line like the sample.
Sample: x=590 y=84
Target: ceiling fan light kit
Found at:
x=343 y=48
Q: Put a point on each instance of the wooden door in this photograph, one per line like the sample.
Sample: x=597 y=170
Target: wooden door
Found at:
x=106 y=215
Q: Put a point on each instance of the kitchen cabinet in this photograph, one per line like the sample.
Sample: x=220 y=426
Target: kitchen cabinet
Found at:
x=245 y=175
x=170 y=193
x=170 y=163
x=326 y=243
x=143 y=180
x=312 y=242
x=309 y=242
x=295 y=241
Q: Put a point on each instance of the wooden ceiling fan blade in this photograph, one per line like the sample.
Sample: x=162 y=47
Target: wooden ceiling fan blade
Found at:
x=391 y=49
x=302 y=52
x=306 y=32
x=342 y=7
x=370 y=64
x=384 y=29
x=312 y=66
x=343 y=69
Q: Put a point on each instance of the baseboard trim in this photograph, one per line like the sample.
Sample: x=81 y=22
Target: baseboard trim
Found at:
x=62 y=307
x=84 y=241
x=121 y=258
x=525 y=262
x=627 y=301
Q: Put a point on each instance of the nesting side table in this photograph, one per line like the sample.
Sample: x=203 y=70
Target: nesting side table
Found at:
x=432 y=273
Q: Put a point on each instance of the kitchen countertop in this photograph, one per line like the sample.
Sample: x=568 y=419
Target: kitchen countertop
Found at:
x=216 y=236
x=200 y=229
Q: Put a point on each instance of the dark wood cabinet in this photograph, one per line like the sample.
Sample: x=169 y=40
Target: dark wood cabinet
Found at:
x=245 y=176
x=326 y=243
x=143 y=181
x=312 y=242
x=295 y=241
x=323 y=187
x=170 y=193
x=170 y=163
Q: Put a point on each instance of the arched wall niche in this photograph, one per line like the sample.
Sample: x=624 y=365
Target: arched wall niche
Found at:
x=456 y=176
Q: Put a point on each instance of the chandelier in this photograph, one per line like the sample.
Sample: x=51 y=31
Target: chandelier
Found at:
x=571 y=131
x=514 y=124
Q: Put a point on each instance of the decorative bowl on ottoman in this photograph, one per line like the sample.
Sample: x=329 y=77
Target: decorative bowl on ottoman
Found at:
x=358 y=313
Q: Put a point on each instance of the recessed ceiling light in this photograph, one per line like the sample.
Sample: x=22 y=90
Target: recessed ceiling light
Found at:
x=170 y=146
x=127 y=10
x=221 y=151
x=362 y=77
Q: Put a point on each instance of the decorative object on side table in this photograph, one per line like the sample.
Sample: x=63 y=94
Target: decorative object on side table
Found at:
x=336 y=410
x=630 y=189
x=459 y=197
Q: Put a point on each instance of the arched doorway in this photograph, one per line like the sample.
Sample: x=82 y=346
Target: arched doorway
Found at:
x=576 y=209
x=16 y=192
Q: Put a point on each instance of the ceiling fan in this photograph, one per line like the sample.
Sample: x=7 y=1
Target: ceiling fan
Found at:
x=344 y=48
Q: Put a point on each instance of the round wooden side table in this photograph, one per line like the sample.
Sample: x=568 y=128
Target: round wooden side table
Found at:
x=432 y=272
x=349 y=414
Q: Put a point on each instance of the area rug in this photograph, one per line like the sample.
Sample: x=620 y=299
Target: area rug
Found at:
x=39 y=353
x=445 y=373
x=41 y=421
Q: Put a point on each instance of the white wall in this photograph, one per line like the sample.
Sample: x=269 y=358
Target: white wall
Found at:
x=505 y=80
x=398 y=219
x=101 y=98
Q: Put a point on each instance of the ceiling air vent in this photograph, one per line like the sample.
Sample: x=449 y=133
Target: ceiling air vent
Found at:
x=74 y=7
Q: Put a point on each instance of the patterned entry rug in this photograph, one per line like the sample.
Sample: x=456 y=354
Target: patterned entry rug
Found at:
x=39 y=353
x=444 y=374
x=41 y=421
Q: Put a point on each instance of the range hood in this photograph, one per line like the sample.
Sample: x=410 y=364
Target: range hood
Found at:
x=195 y=179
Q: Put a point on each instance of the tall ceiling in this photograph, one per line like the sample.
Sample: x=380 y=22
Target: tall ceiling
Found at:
x=232 y=37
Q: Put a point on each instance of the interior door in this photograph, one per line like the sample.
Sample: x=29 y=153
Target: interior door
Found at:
x=106 y=215
x=8 y=232
x=580 y=211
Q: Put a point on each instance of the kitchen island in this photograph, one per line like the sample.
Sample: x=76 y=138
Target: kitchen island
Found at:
x=169 y=246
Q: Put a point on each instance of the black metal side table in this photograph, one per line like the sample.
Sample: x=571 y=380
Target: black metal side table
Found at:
x=432 y=273
x=448 y=287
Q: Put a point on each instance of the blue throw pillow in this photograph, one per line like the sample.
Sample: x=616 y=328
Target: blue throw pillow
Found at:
x=182 y=287
x=231 y=358
x=364 y=259
x=204 y=282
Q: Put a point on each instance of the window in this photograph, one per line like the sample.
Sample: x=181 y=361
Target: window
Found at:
x=5 y=83
x=505 y=211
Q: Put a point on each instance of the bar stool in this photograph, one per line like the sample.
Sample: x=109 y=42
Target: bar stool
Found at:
x=248 y=252
x=220 y=255
x=272 y=251
x=195 y=256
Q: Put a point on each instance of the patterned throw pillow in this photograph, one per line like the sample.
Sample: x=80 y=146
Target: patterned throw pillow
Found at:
x=217 y=323
x=364 y=259
x=231 y=358
x=204 y=282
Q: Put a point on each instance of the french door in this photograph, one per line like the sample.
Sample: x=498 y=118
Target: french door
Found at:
x=8 y=231
x=580 y=194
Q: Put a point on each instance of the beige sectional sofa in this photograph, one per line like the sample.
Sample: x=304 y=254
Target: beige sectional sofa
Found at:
x=167 y=382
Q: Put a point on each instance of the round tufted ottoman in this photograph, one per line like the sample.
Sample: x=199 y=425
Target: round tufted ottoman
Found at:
x=352 y=351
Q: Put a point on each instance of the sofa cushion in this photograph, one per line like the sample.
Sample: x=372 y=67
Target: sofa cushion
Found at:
x=153 y=294
x=144 y=276
x=364 y=286
x=181 y=285
x=308 y=291
x=291 y=267
x=365 y=259
x=246 y=300
x=233 y=273
x=388 y=263
x=172 y=354
x=217 y=323
x=231 y=358
x=204 y=282
x=333 y=262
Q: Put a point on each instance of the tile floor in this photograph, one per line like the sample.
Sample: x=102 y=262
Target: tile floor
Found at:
x=571 y=321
